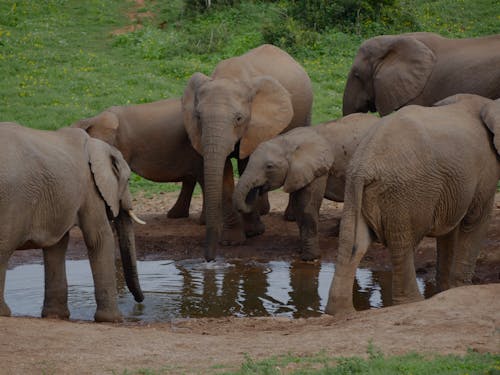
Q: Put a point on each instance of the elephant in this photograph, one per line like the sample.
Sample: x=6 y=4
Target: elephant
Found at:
x=391 y=71
x=420 y=171
x=51 y=181
x=248 y=99
x=153 y=141
x=310 y=163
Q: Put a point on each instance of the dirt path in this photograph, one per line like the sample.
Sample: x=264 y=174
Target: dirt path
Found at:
x=451 y=322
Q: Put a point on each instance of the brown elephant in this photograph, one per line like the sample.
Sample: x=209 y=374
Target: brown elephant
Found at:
x=248 y=99
x=421 y=171
x=391 y=71
x=154 y=142
x=51 y=181
x=310 y=164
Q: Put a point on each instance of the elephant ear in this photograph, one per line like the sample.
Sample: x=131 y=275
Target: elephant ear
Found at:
x=189 y=110
x=271 y=113
x=102 y=126
x=402 y=73
x=309 y=161
x=490 y=113
x=110 y=171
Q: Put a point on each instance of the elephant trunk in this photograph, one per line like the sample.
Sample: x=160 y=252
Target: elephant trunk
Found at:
x=246 y=192
x=126 y=240
x=214 y=162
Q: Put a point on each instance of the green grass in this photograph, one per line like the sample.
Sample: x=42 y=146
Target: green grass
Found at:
x=59 y=61
x=375 y=364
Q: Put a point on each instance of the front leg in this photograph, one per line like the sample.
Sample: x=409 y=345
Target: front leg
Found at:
x=55 y=303
x=306 y=203
x=100 y=242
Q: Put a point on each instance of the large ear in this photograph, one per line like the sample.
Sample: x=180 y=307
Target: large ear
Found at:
x=308 y=161
x=110 y=171
x=102 y=126
x=402 y=73
x=189 y=110
x=271 y=113
x=490 y=113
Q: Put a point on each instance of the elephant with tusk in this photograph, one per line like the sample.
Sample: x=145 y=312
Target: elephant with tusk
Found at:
x=51 y=181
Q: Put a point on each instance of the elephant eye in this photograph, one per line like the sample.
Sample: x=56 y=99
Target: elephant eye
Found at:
x=238 y=119
x=269 y=165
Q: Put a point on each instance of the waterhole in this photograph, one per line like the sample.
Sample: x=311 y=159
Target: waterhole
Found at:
x=194 y=288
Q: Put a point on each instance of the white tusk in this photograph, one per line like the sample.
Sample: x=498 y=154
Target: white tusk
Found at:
x=135 y=218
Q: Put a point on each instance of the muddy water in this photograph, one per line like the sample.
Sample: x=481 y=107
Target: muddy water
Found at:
x=194 y=288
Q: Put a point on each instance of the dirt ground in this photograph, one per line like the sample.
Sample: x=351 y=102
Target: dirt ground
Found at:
x=450 y=322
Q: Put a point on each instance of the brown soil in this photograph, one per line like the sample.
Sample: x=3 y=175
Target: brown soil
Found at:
x=450 y=322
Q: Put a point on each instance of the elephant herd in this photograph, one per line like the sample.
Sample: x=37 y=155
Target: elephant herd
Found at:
x=428 y=167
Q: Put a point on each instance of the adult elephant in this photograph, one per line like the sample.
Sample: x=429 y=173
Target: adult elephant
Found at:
x=247 y=100
x=154 y=142
x=391 y=71
x=421 y=171
x=51 y=181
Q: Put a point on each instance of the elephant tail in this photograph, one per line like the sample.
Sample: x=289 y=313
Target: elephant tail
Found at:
x=355 y=233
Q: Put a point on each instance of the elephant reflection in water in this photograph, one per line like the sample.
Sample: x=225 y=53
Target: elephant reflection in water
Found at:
x=304 y=283
x=241 y=292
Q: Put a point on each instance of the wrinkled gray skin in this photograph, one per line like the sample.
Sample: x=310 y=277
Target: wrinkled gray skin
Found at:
x=310 y=163
x=391 y=71
x=421 y=171
x=247 y=100
x=51 y=181
x=154 y=142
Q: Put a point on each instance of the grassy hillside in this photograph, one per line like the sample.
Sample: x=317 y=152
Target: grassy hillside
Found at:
x=60 y=62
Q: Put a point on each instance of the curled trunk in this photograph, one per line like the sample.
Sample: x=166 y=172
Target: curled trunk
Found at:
x=126 y=240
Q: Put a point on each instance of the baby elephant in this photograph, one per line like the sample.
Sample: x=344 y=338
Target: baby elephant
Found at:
x=421 y=171
x=310 y=163
x=51 y=181
x=154 y=142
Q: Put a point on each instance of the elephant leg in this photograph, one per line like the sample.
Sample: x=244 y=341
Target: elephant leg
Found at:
x=467 y=249
x=289 y=215
x=445 y=246
x=306 y=203
x=100 y=242
x=181 y=206
x=4 y=259
x=55 y=303
x=202 y=218
x=232 y=231
x=404 y=277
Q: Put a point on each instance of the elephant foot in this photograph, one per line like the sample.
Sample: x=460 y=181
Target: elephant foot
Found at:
x=339 y=310
x=177 y=212
x=310 y=255
x=113 y=316
x=255 y=228
x=233 y=236
x=55 y=313
x=4 y=309
x=289 y=214
x=201 y=219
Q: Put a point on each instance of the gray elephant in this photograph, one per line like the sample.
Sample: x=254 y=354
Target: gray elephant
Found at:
x=310 y=163
x=247 y=100
x=391 y=71
x=421 y=171
x=154 y=143
x=51 y=181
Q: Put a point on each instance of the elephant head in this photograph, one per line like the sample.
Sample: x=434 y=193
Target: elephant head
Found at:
x=292 y=160
x=111 y=175
x=222 y=115
x=387 y=73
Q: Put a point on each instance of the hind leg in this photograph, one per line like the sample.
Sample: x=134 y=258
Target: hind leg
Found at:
x=4 y=259
x=181 y=206
x=55 y=303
